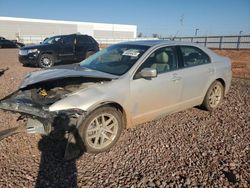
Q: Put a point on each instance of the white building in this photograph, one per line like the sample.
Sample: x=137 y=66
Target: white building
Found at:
x=35 y=30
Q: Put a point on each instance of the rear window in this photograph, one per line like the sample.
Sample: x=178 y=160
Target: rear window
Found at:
x=84 y=39
x=193 y=56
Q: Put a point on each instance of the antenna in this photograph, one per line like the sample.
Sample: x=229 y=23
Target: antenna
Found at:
x=181 y=26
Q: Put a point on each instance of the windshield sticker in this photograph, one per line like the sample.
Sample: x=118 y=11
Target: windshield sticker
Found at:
x=131 y=53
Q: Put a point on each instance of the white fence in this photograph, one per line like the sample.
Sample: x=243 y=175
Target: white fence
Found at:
x=221 y=42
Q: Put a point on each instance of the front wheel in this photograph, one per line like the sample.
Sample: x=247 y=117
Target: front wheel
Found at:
x=46 y=61
x=101 y=129
x=214 y=96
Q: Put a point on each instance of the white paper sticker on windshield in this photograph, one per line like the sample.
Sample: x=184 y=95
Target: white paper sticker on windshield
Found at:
x=131 y=52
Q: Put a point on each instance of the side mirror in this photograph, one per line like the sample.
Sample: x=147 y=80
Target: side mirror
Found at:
x=148 y=73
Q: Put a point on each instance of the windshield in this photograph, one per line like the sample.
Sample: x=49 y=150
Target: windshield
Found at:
x=116 y=59
x=52 y=40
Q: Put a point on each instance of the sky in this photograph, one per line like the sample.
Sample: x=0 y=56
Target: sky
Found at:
x=163 y=17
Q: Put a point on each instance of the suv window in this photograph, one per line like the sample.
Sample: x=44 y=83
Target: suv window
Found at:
x=163 y=60
x=84 y=39
x=193 y=56
x=69 y=40
x=52 y=40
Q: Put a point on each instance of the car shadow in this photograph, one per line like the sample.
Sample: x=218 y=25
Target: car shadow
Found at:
x=59 y=153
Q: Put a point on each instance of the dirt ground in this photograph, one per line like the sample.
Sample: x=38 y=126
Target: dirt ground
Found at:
x=192 y=148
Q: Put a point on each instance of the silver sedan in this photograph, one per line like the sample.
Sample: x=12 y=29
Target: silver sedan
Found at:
x=119 y=87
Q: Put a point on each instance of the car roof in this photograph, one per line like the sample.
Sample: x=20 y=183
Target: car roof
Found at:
x=151 y=43
x=70 y=35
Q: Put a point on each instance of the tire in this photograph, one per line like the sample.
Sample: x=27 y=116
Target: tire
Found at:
x=214 y=96
x=99 y=137
x=89 y=53
x=46 y=61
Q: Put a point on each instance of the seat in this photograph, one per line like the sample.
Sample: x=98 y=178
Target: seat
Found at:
x=161 y=64
x=192 y=59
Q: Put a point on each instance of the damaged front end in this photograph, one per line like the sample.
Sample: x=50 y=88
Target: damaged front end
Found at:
x=33 y=102
x=42 y=89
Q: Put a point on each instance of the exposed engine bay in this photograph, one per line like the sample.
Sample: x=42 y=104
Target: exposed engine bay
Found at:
x=47 y=93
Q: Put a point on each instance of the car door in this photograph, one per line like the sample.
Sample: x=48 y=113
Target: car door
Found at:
x=10 y=44
x=152 y=98
x=1 y=44
x=67 y=48
x=4 y=44
x=197 y=72
x=81 y=43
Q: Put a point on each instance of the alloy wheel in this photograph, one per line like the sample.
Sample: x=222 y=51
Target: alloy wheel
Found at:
x=102 y=130
x=46 y=62
x=215 y=96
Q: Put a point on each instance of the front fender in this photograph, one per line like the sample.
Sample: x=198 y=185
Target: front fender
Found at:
x=82 y=100
x=89 y=99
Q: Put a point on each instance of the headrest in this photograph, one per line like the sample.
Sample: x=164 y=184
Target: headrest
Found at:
x=162 y=58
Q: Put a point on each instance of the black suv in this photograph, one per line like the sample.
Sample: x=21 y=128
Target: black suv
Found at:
x=63 y=48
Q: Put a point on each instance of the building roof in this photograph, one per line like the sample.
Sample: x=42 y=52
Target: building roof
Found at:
x=51 y=21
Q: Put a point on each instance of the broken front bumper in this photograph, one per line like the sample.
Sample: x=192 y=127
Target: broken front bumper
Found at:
x=39 y=118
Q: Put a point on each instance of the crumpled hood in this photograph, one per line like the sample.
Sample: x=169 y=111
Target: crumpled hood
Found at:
x=67 y=71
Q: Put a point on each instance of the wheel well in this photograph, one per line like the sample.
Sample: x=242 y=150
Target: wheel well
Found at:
x=120 y=108
x=222 y=82
x=50 y=53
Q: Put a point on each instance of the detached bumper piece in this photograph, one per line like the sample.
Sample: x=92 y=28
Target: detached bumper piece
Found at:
x=39 y=120
x=25 y=109
x=8 y=132
x=35 y=126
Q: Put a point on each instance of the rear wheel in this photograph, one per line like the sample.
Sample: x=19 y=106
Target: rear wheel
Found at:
x=46 y=61
x=101 y=129
x=214 y=96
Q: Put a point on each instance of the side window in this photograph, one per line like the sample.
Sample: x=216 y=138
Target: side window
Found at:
x=69 y=40
x=81 y=40
x=84 y=40
x=193 y=56
x=8 y=42
x=163 y=60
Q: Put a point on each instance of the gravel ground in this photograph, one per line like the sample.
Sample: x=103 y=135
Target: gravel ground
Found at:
x=187 y=149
